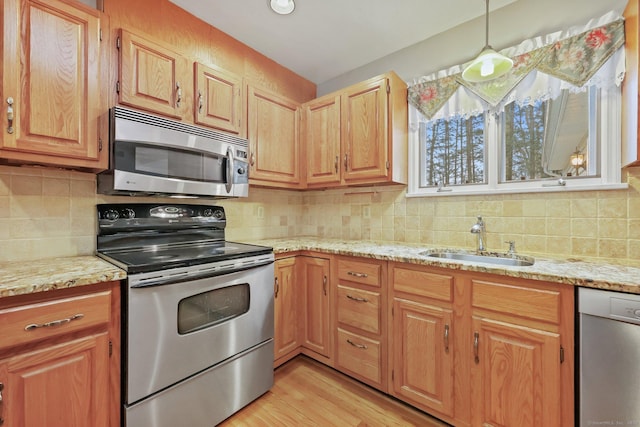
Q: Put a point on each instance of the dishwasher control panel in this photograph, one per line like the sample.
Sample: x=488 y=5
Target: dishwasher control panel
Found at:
x=609 y=304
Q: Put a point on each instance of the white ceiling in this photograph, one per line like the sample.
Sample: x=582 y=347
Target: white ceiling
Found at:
x=323 y=39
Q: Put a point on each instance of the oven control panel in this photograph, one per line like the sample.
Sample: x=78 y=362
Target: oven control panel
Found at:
x=116 y=216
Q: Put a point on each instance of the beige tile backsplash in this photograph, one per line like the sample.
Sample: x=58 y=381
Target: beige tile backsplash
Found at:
x=49 y=213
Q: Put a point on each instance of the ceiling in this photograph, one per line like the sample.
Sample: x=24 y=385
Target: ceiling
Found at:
x=323 y=39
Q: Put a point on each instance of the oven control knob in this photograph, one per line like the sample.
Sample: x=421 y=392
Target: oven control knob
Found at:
x=242 y=171
x=128 y=213
x=111 y=215
x=218 y=214
x=207 y=212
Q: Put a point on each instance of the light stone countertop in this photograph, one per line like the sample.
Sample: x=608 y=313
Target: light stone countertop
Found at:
x=571 y=271
x=27 y=277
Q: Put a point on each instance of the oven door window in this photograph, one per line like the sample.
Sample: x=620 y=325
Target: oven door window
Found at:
x=212 y=307
x=170 y=162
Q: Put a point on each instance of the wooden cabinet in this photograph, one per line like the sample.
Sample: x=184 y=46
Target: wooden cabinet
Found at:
x=273 y=133
x=218 y=99
x=51 y=81
x=630 y=94
x=370 y=121
x=322 y=140
x=423 y=338
x=314 y=279
x=56 y=363
x=152 y=77
x=361 y=327
x=286 y=309
x=522 y=372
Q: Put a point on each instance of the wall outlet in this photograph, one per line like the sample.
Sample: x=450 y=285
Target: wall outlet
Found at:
x=260 y=212
x=366 y=212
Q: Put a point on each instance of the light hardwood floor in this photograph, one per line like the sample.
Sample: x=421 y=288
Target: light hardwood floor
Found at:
x=307 y=393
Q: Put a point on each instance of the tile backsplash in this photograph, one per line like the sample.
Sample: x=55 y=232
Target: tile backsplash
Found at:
x=50 y=213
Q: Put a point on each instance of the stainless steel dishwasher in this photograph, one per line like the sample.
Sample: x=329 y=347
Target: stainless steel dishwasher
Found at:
x=609 y=358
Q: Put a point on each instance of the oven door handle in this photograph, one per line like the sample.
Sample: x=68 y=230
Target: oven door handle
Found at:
x=159 y=279
x=230 y=166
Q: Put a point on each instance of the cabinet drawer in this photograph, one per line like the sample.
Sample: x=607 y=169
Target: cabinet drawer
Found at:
x=359 y=308
x=529 y=303
x=34 y=322
x=359 y=272
x=423 y=284
x=360 y=355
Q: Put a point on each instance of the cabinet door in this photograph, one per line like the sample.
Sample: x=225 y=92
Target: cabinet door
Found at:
x=423 y=355
x=218 y=96
x=152 y=77
x=286 y=308
x=365 y=139
x=314 y=277
x=322 y=140
x=516 y=376
x=66 y=385
x=273 y=138
x=51 y=83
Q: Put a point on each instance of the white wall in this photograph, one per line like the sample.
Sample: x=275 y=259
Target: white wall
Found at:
x=509 y=25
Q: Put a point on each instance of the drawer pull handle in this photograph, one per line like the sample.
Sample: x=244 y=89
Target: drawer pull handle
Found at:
x=277 y=288
x=362 y=346
x=476 y=344
x=446 y=338
x=59 y=322
x=351 y=297
x=324 y=285
x=353 y=273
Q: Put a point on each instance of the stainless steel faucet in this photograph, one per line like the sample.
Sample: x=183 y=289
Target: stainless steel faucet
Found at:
x=480 y=231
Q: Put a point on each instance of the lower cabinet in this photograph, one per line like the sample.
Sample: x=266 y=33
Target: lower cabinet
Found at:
x=361 y=327
x=314 y=277
x=523 y=353
x=422 y=334
x=473 y=349
x=57 y=367
x=286 y=305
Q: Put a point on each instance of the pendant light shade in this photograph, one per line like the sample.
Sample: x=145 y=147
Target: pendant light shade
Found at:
x=282 y=7
x=489 y=64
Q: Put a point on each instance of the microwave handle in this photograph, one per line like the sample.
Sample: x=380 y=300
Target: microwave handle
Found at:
x=229 y=183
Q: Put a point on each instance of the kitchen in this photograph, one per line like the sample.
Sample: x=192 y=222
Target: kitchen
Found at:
x=50 y=212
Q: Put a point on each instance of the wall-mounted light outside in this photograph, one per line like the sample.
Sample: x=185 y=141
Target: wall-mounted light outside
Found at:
x=578 y=161
x=282 y=7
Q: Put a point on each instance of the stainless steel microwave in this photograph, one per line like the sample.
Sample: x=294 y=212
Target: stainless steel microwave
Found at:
x=152 y=155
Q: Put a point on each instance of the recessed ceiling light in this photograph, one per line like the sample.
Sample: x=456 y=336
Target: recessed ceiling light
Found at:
x=282 y=7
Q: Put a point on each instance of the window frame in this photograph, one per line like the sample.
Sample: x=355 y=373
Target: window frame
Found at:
x=609 y=121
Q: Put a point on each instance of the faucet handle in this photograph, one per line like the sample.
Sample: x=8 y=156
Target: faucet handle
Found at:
x=512 y=246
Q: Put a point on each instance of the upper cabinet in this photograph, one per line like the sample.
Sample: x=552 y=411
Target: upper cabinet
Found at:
x=358 y=135
x=51 y=78
x=630 y=95
x=152 y=77
x=218 y=95
x=273 y=133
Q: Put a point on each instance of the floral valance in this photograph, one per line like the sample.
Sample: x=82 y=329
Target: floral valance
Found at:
x=573 y=59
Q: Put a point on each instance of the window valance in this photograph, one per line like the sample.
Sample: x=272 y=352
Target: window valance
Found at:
x=574 y=59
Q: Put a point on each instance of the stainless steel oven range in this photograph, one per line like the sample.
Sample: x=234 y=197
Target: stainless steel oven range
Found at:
x=197 y=310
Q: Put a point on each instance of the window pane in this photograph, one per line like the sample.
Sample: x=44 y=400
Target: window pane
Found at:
x=453 y=151
x=549 y=138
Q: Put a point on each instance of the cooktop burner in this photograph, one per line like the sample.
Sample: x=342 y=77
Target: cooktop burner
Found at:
x=150 y=237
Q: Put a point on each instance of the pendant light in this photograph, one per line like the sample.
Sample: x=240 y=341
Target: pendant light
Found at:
x=282 y=7
x=489 y=64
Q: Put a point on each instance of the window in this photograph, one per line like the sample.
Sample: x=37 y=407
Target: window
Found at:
x=544 y=127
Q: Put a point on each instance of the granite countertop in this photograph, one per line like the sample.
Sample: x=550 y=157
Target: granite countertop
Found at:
x=18 y=278
x=570 y=271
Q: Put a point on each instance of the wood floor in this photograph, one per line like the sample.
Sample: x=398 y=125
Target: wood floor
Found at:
x=307 y=393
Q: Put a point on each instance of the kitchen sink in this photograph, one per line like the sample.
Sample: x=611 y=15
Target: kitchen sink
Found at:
x=485 y=257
